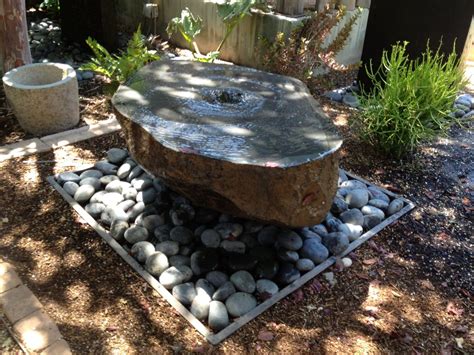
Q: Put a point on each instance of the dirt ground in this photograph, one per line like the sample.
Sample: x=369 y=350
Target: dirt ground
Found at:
x=409 y=290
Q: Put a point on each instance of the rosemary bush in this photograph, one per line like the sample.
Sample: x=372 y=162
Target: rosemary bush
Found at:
x=306 y=51
x=411 y=100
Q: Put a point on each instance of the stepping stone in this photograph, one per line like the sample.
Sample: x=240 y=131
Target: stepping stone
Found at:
x=273 y=146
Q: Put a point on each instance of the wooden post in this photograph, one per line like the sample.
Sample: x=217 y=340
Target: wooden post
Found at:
x=14 y=46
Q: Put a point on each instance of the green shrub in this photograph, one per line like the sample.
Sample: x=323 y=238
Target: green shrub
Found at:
x=118 y=68
x=411 y=100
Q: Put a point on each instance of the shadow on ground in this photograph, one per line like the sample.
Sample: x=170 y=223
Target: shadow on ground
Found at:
x=408 y=291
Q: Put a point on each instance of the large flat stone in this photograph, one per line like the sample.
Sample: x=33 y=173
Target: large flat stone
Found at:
x=238 y=140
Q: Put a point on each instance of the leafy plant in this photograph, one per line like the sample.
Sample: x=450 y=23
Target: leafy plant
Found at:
x=411 y=100
x=190 y=26
x=50 y=5
x=118 y=68
x=231 y=13
x=306 y=51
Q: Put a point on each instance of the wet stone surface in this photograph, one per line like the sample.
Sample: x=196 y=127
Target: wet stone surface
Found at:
x=205 y=258
x=264 y=133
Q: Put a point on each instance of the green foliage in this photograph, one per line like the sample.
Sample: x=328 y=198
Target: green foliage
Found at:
x=118 y=68
x=188 y=25
x=306 y=51
x=50 y=5
x=411 y=100
x=231 y=13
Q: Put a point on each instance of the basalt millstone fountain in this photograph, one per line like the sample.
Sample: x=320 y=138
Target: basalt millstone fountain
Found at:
x=237 y=140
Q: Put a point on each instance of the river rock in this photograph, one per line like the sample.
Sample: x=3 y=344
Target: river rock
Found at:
x=243 y=281
x=124 y=170
x=106 y=168
x=229 y=230
x=184 y=293
x=315 y=251
x=353 y=216
x=357 y=198
x=224 y=291
x=153 y=221
x=233 y=246
x=266 y=269
x=287 y=255
x=304 y=265
x=375 y=193
x=353 y=231
x=134 y=173
x=146 y=196
x=218 y=317
x=336 y=243
x=136 y=234
x=91 y=181
x=204 y=287
x=95 y=209
x=107 y=179
x=176 y=260
x=118 y=228
x=289 y=239
x=383 y=205
x=250 y=240
x=111 y=199
x=200 y=306
x=116 y=155
x=217 y=278
x=319 y=229
x=182 y=235
x=91 y=173
x=112 y=214
x=142 y=250
x=267 y=236
x=266 y=288
x=84 y=193
x=251 y=176
x=172 y=277
x=287 y=273
x=70 y=187
x=395 y=206
x=237 y=261
x=141 y=184
x=203 y=261
x=168 y=247
x=240 y=303
x=117 y=186
x=339 y=205
x=68 y=176
x=371 y=220
x=366 y=210
x=156 y=263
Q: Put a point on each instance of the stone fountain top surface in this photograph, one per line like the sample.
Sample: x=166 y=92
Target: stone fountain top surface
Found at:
x=228 y=112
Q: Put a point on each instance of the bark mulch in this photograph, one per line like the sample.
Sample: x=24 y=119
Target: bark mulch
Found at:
x=409 y=290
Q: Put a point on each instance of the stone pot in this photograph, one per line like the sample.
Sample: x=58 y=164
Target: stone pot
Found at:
x=44 y=97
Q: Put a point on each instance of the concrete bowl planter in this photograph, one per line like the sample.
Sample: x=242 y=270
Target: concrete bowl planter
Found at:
x=44 y=97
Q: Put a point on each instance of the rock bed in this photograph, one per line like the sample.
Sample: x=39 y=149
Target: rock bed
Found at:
x=47 y=45
x=218 y=266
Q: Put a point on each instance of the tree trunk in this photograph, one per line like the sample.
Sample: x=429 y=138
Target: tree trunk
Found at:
x=14 y=46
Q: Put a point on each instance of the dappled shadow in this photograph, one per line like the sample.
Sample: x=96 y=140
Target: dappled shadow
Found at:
x=102 y=306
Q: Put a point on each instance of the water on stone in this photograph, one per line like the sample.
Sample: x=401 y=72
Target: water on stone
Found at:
x=227 y=112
